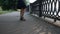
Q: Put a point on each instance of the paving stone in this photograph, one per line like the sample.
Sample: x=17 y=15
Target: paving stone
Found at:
x=10 y=24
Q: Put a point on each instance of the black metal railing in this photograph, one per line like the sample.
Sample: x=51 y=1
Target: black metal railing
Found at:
x=47 y=8
x=35 y=8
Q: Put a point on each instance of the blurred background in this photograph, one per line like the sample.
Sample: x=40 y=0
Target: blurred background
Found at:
x=10 y=5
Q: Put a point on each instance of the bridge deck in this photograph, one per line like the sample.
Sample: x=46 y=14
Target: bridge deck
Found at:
x=10 y=24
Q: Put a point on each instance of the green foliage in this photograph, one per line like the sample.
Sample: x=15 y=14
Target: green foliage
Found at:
x=10 y=4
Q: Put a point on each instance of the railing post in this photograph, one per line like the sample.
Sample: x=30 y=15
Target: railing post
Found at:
x=40 y=11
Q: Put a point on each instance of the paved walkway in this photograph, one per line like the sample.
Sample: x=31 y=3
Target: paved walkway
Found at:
x=10 y=24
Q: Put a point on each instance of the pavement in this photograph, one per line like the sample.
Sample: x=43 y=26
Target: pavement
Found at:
x=10 y=24
x=49 y=20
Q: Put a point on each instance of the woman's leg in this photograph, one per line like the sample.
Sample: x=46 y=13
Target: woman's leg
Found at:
x=22 y=14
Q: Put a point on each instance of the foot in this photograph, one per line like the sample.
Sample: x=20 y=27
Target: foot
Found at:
x=22 y=19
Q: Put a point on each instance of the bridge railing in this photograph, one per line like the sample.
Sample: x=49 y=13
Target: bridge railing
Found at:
x=47 y=8
x=35 y=9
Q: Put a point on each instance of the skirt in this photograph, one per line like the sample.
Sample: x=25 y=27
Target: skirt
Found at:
x=21 y=4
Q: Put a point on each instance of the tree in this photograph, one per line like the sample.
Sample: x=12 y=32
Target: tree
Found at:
x=10 y=4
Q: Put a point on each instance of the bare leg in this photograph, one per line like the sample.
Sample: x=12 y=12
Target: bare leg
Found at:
x=22 y=14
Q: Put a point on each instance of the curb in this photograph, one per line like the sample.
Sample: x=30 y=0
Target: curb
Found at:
x=49 y=20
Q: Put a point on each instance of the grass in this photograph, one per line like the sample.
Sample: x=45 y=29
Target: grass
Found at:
x=6 y=11
x=3 y=12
